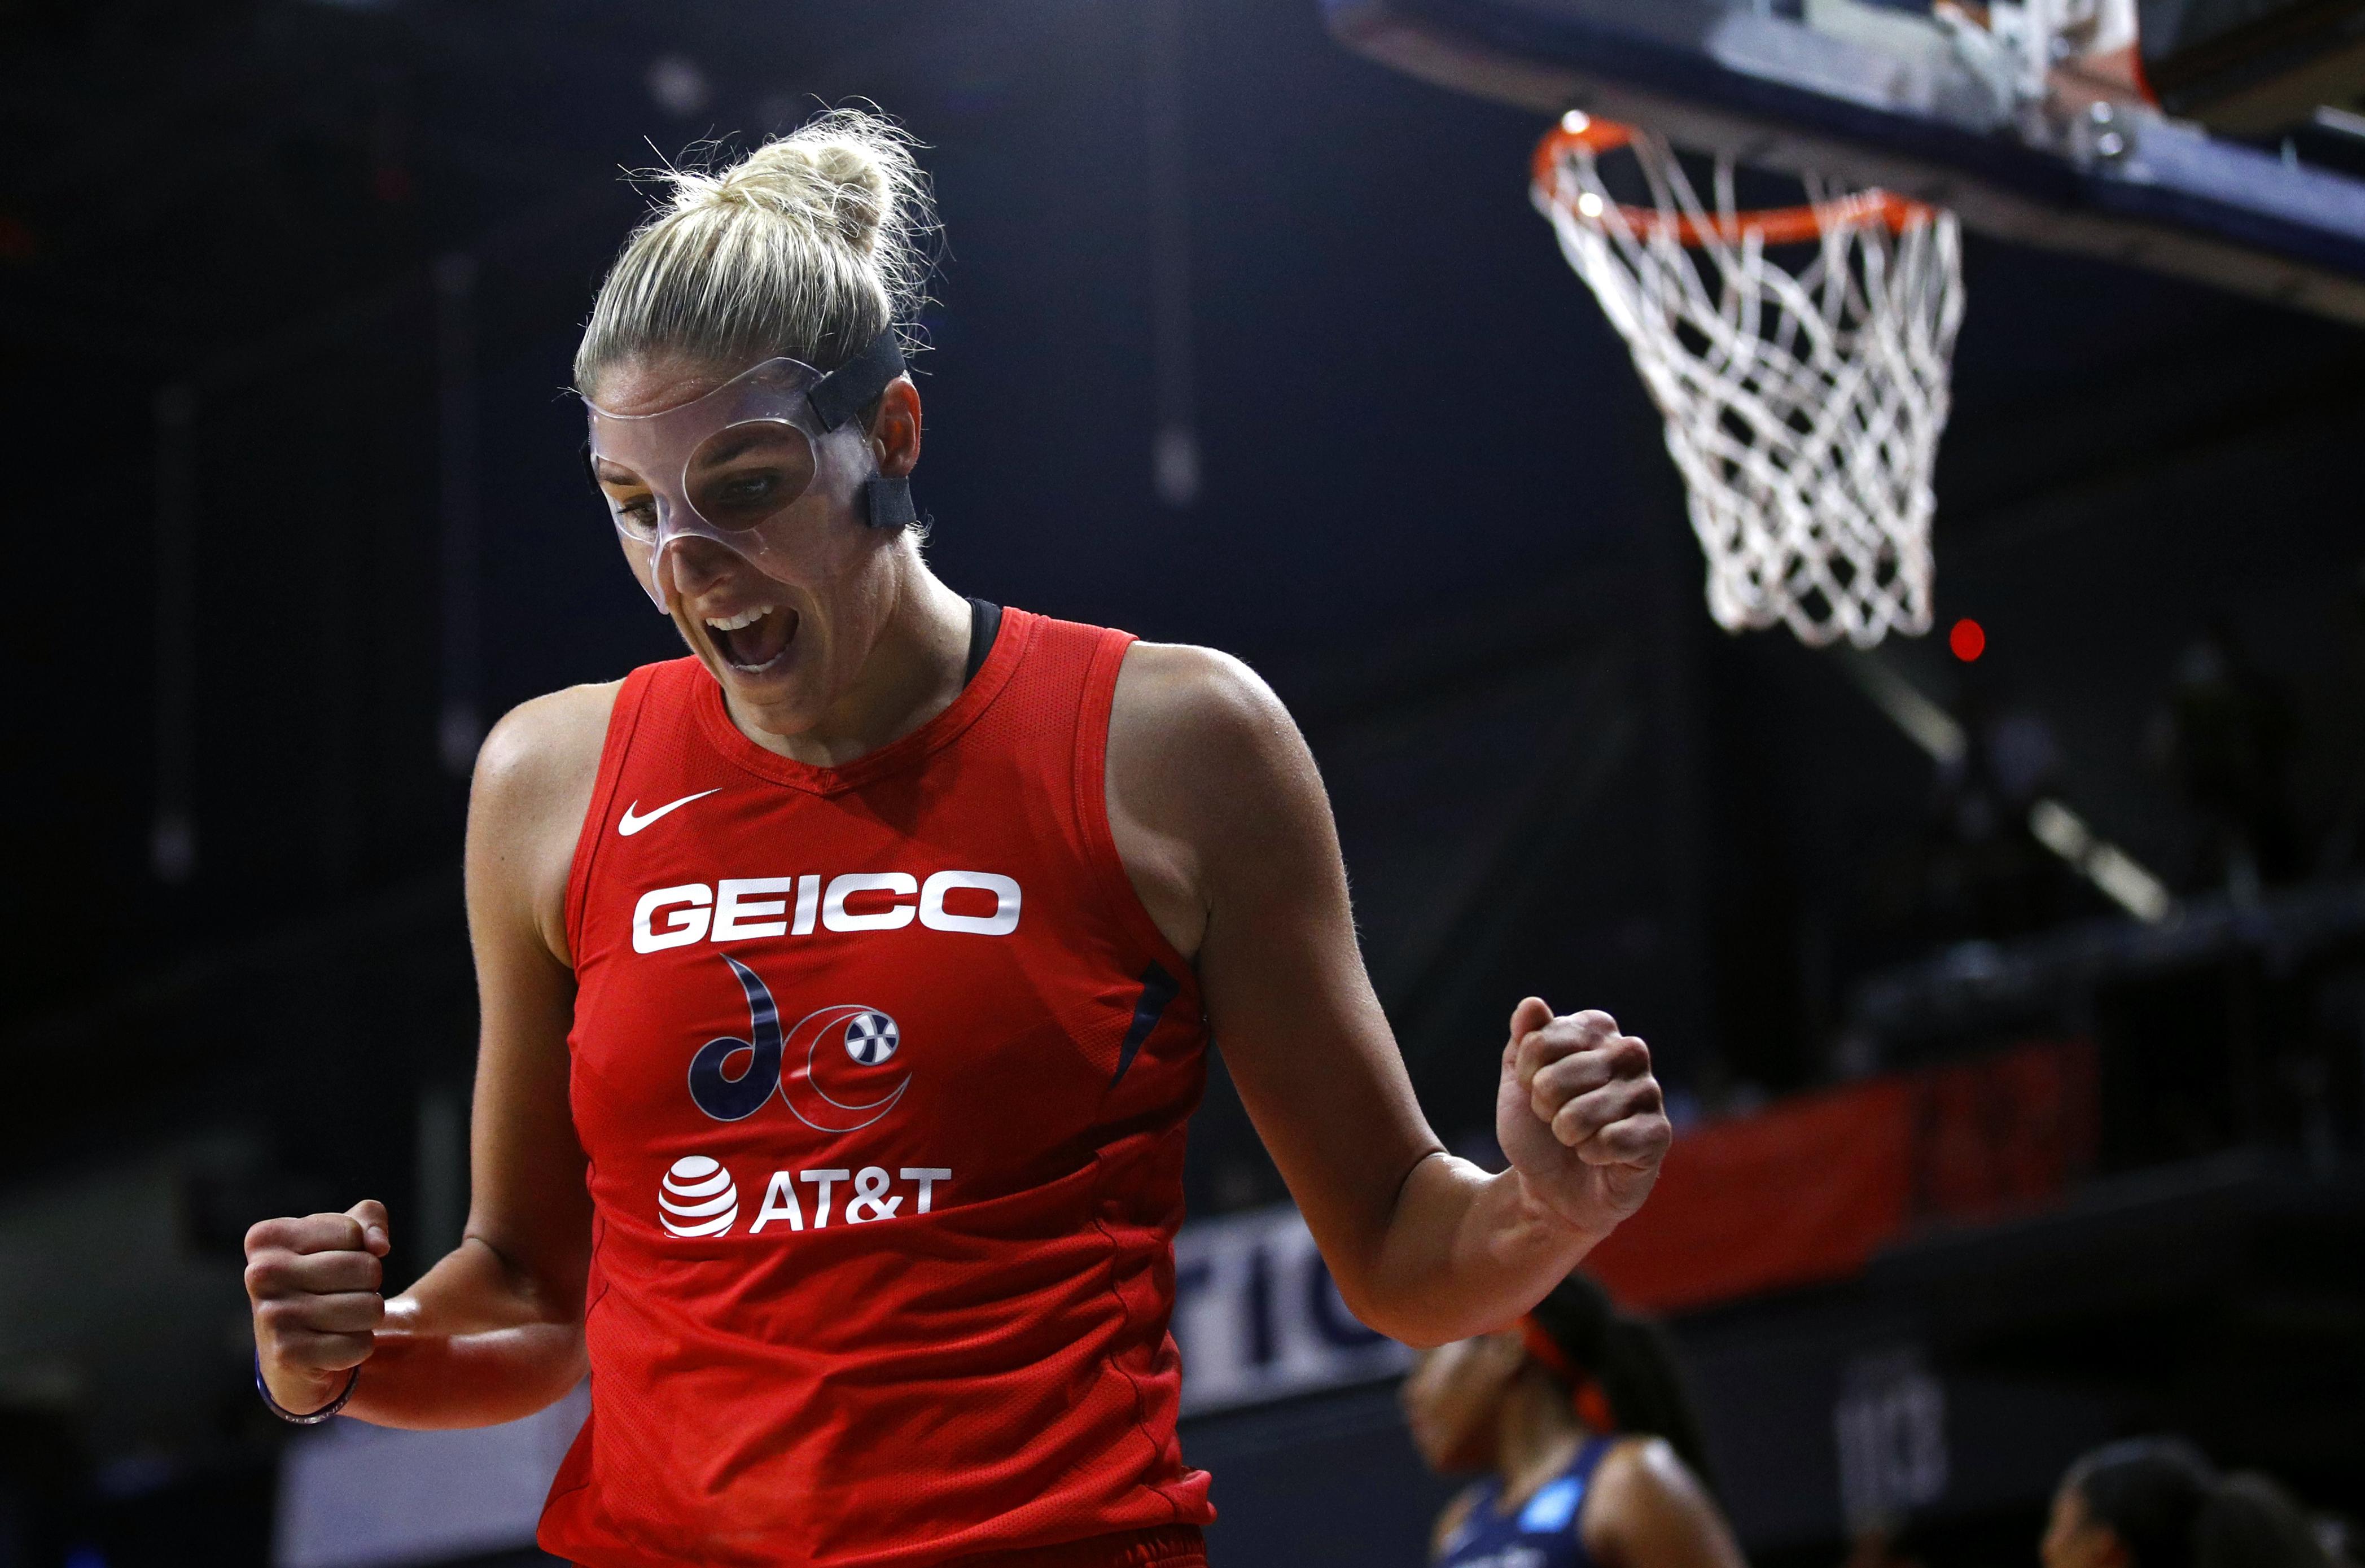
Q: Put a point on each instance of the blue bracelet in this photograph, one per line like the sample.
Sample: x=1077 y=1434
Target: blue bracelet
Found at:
x=316 y=1417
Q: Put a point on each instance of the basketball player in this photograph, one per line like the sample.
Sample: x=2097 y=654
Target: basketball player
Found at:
x=1594 y=1454
x=845 y=986
x=2158 y=1503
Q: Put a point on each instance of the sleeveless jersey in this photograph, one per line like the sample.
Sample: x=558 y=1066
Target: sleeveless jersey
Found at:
x=1543 y=1533
x=882 y=1073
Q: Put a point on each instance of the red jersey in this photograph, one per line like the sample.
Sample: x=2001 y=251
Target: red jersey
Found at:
x=882 y=1073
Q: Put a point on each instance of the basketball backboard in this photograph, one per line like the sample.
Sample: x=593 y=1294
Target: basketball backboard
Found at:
x=2039 y=121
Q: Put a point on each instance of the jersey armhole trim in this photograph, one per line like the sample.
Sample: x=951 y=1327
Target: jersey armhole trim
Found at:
x=623 y=718
x=1095 y=714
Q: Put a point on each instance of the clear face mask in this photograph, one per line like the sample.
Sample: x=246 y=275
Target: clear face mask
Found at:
x=759 y=466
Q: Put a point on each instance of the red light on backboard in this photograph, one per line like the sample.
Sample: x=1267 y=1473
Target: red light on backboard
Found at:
x=1969 y=639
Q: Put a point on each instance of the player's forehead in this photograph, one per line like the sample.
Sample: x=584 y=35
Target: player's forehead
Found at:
x=640 y=385
x=717 y=426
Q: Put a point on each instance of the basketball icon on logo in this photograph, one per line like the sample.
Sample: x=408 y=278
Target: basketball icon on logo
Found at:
x=697 y=1198
x=871 y=1037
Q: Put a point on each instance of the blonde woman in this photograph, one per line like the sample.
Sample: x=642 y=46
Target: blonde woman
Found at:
x=846 y=985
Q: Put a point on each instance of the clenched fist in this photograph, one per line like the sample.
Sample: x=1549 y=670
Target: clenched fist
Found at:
x=314 y=1284
x=1579 y=1114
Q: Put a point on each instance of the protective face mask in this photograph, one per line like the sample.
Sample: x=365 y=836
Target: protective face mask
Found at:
x=760 y=465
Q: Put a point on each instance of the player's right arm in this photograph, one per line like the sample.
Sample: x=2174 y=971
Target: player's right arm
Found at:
x=494 y=1331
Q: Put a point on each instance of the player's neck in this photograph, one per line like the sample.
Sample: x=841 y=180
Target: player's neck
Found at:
x=1537 y=1436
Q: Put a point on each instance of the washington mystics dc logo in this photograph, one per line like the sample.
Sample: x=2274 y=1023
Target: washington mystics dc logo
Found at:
x=856 y=1095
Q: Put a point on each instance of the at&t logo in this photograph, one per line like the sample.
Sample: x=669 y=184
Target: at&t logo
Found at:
x=697 y=1198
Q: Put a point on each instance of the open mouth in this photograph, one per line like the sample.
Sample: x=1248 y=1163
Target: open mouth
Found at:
x=754 y=640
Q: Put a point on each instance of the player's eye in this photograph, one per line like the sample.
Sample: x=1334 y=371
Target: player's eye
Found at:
x=639 y=514
x=744 y=475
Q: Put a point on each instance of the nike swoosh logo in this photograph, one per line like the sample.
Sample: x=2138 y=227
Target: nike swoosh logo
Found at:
x=632 y=823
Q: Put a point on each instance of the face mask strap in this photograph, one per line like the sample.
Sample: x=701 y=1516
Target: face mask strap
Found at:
x=890 y=503
x=846 y=392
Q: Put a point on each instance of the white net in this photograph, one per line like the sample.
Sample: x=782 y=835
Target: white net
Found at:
x=1803 y=405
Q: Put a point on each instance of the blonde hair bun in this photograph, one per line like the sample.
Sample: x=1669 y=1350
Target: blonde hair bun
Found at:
x=809 y=246
x=841 y=183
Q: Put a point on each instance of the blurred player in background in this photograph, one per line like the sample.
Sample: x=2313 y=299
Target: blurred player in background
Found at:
x=1580 y=1416
x=2159 y=1503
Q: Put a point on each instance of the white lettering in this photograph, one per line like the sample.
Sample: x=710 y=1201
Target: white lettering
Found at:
x=688 y=924
x=873 y=1198
x=901 y=884
x=825 y=1179
x=747 y=909
x=927 y=1176
x=1001 y=923
x=780 y=1203
x=870 y=1194
x=738 y=917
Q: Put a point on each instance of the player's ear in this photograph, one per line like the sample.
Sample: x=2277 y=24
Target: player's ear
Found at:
x=895 y=428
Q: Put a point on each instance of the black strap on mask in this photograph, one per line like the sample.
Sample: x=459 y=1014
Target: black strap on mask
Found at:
x=846 y=392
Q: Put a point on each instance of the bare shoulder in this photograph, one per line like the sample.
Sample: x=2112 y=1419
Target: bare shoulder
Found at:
x=533 y=781
x=1205 y=691
x=1206 y=772
x=546 y=750
x=1196 y=718
x=1643 y=1464
x=1647 y=1507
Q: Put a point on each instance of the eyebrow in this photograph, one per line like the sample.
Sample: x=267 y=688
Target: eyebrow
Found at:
x=731 y=448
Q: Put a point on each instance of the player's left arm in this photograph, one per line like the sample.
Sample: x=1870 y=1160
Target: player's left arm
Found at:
x=1224 y=826
x=1646 y=1509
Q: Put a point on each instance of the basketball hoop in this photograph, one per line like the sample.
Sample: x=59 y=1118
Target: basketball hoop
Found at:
x=1803 y=406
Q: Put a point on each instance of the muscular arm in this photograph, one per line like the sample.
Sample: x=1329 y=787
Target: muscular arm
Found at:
x=1224 y=826
x=494 y=1331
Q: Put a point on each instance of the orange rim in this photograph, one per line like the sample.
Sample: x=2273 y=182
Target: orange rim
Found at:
x=1775 y=225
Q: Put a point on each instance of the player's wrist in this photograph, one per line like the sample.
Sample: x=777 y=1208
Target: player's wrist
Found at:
x=1550 y=1219
x=304 y=1395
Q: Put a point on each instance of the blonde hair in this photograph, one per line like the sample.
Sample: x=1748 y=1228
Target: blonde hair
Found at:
x=809 y=246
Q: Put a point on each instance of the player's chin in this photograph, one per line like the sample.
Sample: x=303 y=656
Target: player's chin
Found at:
x=1435 y=1445
x=777 y=707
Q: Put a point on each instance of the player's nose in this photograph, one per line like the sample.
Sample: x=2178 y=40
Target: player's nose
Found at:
x=699 y=566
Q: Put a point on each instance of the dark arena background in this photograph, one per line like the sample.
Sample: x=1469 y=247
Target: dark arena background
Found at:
x=1242 y=338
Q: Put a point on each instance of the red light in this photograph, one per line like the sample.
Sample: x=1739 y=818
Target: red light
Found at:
x=1969 y=639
